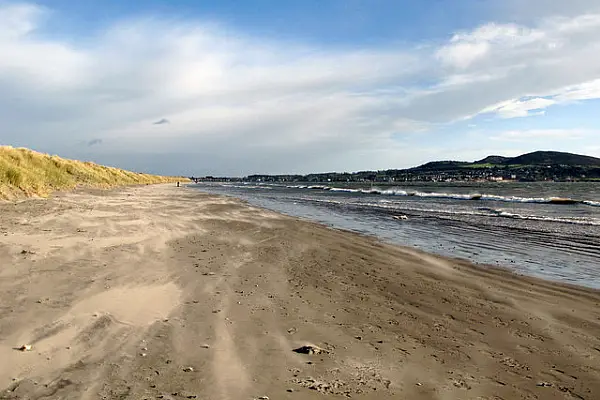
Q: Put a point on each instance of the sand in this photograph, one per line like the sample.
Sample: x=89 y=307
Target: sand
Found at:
x=164 y=292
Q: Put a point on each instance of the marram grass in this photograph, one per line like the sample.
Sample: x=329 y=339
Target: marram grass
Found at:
x=26 y=173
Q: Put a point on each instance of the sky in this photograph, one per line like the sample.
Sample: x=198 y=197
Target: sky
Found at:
x=234 y=88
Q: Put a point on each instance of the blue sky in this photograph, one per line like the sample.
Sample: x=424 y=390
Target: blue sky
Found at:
x=245 y=87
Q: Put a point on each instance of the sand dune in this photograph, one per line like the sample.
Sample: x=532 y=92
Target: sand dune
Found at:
x=28 y=173
x=161 y=291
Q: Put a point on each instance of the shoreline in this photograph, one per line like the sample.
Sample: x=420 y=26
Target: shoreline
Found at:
x=211 y=283
x=462 y=262
x=550 y=249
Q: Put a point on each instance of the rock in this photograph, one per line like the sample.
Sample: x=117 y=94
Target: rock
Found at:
x=263 y=398
x=26 y=347
x=310 y=349
x=188 y=369
x=290 y=390
x=205 y=346
x=544 y=384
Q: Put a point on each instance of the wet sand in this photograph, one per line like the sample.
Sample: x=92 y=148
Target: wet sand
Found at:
x=162 y=291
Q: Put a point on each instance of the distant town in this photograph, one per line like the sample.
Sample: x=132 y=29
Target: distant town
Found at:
x=531 y=167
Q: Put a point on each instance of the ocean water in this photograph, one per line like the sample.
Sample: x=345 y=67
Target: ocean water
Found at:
x=549 y=230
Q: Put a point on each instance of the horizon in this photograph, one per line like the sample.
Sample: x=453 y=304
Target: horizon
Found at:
x=226 y=89
x=385 y=169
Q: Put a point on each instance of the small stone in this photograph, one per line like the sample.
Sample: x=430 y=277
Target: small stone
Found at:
x=263 y=398
x=419 y=384
x=358 y=337
x=188 y=369
x=26 y=347
x=310 y=349
x=143 y=354
x=290 y=390
x=144 y=349
x=205 y=346
x=544 y=384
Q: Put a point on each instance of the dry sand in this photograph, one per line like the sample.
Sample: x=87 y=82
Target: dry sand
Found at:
x=164 y=292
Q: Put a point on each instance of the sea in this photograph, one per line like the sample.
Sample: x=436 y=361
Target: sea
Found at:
x=544 y=229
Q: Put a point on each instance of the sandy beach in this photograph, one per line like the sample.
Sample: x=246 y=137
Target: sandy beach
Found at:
x=164 y=292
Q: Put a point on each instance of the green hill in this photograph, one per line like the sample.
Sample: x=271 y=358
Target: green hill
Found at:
x=553 y=158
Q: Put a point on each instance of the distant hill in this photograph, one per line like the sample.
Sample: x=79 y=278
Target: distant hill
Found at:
x=535 y=158
x=530 y=167
x=553 y=158
x=441 y=165
x=493 y=160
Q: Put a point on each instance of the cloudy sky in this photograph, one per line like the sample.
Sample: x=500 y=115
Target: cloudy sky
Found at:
x=238 y=87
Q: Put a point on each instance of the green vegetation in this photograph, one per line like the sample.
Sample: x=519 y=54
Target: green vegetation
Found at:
x=485 y=165
x=24 y=172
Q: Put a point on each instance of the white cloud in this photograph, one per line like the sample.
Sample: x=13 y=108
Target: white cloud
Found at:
x=241 y=104
x=17 y=20
x=544 y=134
x=521 y=108
x=467 y=48
x=584 y=91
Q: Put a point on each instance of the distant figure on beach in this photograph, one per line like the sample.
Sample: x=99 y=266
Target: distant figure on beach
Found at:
x=177 y=184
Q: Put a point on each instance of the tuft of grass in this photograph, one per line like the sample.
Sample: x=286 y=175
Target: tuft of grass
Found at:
x=26 y=173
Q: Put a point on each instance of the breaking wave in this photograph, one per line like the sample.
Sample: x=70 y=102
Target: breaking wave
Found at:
x=453 y=196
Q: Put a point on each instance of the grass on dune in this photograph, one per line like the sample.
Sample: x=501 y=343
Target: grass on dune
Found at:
x=25 y=172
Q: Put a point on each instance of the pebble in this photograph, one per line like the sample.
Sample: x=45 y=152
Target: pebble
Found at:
x=25 y=347
x=188 y=369
x=544 y=384
x=205 y=346
x=263 y=398
x=310 y=349
x=290 y=390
